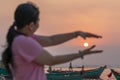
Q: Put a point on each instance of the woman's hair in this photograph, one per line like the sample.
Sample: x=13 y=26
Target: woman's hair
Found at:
x=24 y=14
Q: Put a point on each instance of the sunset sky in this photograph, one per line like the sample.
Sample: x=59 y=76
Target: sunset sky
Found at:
x=61 y=16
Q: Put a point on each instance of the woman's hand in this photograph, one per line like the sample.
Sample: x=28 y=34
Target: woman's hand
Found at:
x=89 y=51
x=85 y=35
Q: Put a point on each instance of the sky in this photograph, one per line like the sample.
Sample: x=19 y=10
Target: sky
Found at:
x=61 y=16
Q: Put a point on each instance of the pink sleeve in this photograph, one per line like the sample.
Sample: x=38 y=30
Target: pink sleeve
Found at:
x=28 y=48
x=34 y=37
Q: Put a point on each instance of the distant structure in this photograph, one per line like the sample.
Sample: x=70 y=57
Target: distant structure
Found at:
x=82 y=70
x=50 y=69
x=70 y=67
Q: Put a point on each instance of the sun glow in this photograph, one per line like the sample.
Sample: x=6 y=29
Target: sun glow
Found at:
x=85 y=44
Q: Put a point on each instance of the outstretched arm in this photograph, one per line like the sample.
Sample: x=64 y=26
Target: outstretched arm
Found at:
x=46 y=41
x=47 y=59
x=61 y=38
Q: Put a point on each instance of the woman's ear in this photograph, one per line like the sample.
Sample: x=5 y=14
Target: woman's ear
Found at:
x=31 y=26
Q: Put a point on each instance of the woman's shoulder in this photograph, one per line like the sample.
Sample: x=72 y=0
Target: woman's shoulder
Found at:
x=25 y=41
x=22 y=38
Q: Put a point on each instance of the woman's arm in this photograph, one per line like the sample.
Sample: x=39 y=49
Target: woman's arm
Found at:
x=61 y=38
x=46 y=41
x=46 y=58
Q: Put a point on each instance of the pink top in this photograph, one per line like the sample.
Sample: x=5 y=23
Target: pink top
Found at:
x=25 y=50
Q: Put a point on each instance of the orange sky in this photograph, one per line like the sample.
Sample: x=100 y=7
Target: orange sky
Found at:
x=58 y=16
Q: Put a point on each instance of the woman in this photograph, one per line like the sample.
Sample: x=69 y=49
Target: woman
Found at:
x=24 y=58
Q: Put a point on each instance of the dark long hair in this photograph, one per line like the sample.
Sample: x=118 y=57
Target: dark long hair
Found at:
x=25 y=14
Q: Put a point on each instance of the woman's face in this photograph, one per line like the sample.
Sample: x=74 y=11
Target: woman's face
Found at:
x=34 y=27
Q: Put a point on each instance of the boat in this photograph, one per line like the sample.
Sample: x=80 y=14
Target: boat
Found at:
x=3 y=74
x=93 y=74
x=116 y=74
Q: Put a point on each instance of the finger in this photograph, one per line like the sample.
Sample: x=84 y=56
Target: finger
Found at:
x=93 y=46
x=93 y=35
x=94 y=52
x=97 y=36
